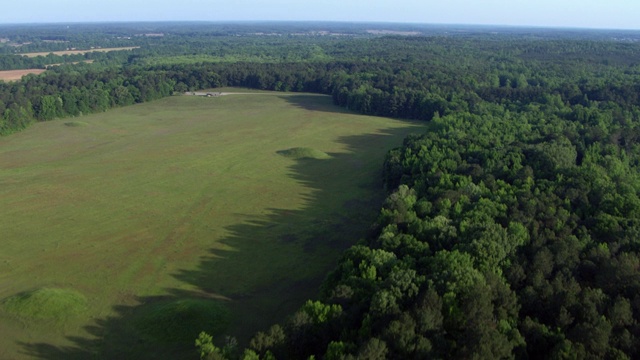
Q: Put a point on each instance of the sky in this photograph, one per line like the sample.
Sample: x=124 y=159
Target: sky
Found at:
x=611 y=14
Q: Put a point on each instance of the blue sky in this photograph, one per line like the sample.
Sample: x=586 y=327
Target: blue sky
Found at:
x=618 y=14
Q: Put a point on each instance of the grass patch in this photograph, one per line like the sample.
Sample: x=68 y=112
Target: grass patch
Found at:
x=181 y=195
x=180 y=320
x=47 y=304
x=75 y=123
x=298 y=153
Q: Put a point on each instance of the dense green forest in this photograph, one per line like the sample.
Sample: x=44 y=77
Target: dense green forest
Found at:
x=510 y=229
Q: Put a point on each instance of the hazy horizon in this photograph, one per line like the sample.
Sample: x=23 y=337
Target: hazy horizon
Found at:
x=586 y=14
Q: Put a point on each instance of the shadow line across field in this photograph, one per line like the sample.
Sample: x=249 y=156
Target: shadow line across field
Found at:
x=305 y=256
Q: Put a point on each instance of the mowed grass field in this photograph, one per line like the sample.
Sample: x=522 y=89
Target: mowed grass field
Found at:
x=124 y=234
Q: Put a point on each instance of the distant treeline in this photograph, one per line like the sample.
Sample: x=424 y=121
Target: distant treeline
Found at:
x=454 y=75
x=17 y=62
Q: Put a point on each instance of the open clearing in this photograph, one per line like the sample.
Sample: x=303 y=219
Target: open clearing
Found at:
x=72 y=63
x=160 y=219
x=15 y=75
x=74 y=52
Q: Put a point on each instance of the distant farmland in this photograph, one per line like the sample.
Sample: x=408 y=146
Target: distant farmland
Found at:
x=74 y=52
x=224 y=212
x=15 y=75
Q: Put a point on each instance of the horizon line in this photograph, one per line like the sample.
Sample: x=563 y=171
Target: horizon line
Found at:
x=358 y=22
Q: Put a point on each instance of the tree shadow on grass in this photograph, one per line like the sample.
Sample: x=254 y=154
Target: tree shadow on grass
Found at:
x=315 y=102
x=273 y=263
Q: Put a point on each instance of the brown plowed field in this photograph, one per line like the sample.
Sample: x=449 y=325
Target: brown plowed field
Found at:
x=14 y=75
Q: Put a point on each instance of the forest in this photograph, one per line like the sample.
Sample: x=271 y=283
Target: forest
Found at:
x=510 y=229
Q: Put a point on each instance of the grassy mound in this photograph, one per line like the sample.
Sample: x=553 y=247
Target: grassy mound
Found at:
x=304 y=153
x=180 y=320
x=75 y=123
x=48 y=304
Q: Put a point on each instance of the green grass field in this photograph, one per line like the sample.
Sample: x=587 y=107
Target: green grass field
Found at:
x=120 y=232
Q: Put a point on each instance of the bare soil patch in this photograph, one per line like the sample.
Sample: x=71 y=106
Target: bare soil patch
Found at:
x=15 y=75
